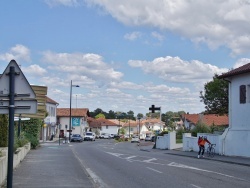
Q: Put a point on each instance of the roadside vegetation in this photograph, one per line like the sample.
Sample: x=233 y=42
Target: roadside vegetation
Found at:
x=30 y=133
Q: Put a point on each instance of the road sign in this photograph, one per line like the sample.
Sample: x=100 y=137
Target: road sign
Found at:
x=22 y=86
x=29 y=106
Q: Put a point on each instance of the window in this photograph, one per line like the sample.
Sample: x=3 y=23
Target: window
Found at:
x=242 y=94
x=107 y=126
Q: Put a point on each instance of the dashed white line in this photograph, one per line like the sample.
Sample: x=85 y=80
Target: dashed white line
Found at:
x=154 y=170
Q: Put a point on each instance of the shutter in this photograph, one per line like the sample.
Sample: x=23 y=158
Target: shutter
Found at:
x=242 y=94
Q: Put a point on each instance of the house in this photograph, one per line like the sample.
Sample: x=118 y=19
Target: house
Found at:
x=154 y=124
x=130 y=127
x=49 y=128
x=238 y=135
x=94 y=125
x=191 y=120
x=79 y=118
x=108 y=126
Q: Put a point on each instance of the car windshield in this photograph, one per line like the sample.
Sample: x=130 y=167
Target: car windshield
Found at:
x=76 y=135
x=89 y=134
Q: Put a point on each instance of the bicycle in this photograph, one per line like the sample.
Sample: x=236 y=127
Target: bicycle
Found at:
x=211 y=150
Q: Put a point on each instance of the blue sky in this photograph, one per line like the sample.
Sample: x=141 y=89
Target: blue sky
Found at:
x=126 y=54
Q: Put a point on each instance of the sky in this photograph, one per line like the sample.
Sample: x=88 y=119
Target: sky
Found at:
x=127 y=54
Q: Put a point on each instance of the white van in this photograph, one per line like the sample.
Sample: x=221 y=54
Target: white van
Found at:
x=89 y=136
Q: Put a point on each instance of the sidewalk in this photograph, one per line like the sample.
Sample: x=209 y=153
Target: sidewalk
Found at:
x=50 y=166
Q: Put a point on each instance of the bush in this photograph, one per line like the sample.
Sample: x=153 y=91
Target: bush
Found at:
x=200 y=128
x=162 y=133
x=3 y=130
x=32 y=130
x=34 y=142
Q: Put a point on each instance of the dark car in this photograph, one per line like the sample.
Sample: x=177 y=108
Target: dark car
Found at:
x=76 y=138
x=153 y=138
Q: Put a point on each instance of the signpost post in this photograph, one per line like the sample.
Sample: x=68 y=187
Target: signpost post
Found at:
x=153 y=109
x=16 y=96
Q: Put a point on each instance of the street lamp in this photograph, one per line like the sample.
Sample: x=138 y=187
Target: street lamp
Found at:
x=139 y=118
x=70 y=129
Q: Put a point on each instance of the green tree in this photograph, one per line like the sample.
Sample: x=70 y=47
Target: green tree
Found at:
x=200 y=128
x=122 y=131
x=100 y=115
x=215 y=96
x=3 y=130
x=139 y=115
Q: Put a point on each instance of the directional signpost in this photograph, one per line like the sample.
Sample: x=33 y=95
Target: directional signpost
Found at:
x=16 y=96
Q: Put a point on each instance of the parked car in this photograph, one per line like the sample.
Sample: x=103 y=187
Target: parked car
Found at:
x=104 y=135
x=111 y=135
x=135 y=139
x=76 y=138
x=148 y=138
x=89 y=136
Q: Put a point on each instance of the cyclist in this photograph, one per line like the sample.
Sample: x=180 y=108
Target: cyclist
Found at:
x=201 y=143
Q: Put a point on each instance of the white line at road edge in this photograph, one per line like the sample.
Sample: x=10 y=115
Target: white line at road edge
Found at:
x=98 y=181
x=154 y=170
x=195 y=186
x=193 y=168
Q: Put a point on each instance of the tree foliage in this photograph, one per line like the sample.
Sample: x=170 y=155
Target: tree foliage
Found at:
x=3 y=130
x=100 y=115
x=200 y=128
x=215 y=96
x=32 y=131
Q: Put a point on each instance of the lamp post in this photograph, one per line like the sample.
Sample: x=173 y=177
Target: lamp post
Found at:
x=70 y=128
x=139 y=127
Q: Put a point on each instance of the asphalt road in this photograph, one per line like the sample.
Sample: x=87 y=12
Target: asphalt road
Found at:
x=112 y=164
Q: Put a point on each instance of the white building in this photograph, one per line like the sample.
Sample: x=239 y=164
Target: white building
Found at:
x=49 y=127
x=237 y=139
x=79 y=124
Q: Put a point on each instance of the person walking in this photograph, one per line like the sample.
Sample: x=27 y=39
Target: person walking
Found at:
x=201 y=143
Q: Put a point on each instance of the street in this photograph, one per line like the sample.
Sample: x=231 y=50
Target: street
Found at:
x=125 y=164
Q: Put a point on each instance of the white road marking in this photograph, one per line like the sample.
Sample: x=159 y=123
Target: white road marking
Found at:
x=198 y=169
x=98 y=181
x=149 y=160
x=154 y=170
x=115 y=154
x=195 y=186
x=173 y=164
x=130 y=157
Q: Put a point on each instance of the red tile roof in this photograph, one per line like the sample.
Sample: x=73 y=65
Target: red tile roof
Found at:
x=132 y=123
x=75 y=112
x=240 y=70
x=51 y=101
x=105 y=122
x=208 y=119
x=93 y=122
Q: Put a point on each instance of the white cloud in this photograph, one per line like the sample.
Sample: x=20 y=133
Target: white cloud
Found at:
x=241 y=62
x=157 y=36
x=87 y=67
x=18 y=53
x=216 y=23
x=175 y=69
x=34 y=70
x=132 y=36
x=70 y=3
